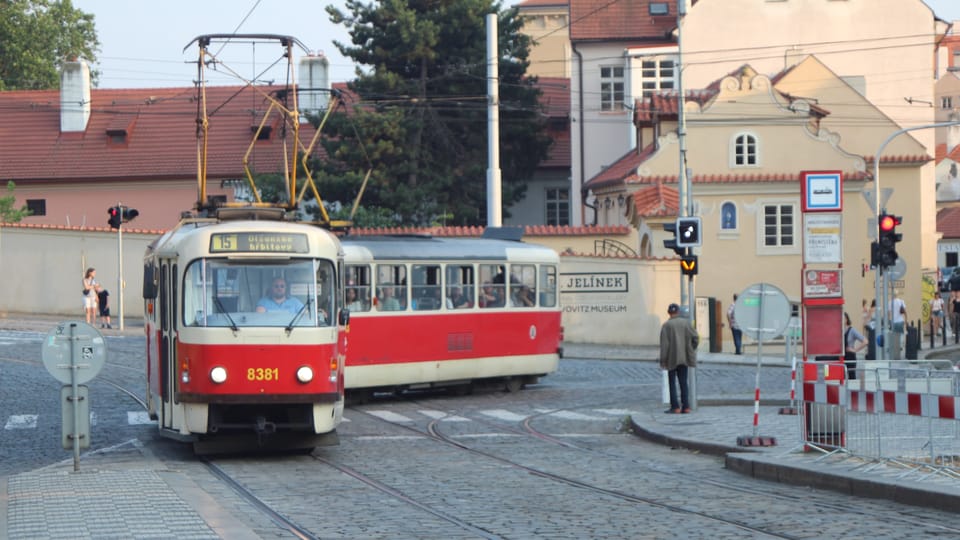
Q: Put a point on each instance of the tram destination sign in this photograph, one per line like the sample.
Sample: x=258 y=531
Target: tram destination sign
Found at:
x=258 y=242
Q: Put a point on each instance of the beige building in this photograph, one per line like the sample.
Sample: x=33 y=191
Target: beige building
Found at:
x=746 y=179
x=546 y=21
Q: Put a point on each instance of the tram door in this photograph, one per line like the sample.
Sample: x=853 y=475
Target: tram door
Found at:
x=166 y=321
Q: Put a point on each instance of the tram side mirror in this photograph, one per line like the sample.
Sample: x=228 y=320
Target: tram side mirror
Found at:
x=344 y=317
x=149 y=282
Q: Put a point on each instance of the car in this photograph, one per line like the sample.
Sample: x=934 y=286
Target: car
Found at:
x=949 y=278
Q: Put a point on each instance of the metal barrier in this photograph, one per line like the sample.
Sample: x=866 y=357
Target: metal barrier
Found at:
x=905 y=413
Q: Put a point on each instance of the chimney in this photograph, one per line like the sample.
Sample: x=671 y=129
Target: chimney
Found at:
x=314 y=86
x=74 y=96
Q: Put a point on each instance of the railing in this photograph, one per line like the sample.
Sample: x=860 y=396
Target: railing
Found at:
x=905 y=413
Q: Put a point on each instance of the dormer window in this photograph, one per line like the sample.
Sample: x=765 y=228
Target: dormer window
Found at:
x=659 y=8
x=263 y=134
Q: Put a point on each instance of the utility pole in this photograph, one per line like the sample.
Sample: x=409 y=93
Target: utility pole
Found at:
x=687 y=297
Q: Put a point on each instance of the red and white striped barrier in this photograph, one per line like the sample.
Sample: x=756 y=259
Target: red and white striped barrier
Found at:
x=912 y=403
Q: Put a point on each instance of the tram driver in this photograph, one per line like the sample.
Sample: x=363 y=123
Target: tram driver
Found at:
x=277 y=299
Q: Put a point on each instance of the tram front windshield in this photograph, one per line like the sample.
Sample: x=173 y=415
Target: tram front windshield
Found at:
x=244 y=293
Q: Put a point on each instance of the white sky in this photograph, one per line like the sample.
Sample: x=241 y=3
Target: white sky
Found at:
x=142 y=42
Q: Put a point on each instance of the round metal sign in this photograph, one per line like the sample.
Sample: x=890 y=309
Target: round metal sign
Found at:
x=898 y=270
x=762 y=311
x=74 y=347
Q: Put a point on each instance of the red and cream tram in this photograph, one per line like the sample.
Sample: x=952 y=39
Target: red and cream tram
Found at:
x=225 y=366
x=430 y=311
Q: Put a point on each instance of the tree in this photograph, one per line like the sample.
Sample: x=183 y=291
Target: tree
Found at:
x=8 y=213
x=37 y=36
x=421 y=119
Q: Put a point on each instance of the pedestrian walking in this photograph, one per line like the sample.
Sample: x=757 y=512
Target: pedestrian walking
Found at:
x=734 y=327
x=678 y=351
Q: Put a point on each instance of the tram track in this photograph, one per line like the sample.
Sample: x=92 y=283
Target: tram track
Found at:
x=432 y=431
x=670 y=474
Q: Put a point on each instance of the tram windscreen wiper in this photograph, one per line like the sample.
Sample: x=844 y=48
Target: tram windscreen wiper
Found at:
x=296 y=317
x=233 y=325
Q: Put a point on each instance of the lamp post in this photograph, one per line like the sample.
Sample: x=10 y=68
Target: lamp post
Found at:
x=879 y=316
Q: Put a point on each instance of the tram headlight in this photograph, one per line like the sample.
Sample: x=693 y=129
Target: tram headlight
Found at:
x=218 y=374
x=305 y=374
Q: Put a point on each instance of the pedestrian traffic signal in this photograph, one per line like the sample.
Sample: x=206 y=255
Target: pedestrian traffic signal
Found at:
x=129 y=214
x=116 y=217
x=672 y=243
x=886 y=251
x=688 y=232
x=689 y=265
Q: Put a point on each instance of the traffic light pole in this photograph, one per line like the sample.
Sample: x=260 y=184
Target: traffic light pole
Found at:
x=120 y=270
x=880 y=292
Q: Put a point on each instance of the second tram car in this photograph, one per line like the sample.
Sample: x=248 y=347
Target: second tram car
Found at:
x=433 y=311
x=245 y=336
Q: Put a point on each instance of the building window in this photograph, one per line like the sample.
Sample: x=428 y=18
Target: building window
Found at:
x=37 y=207
x=657 y=73
x=951 y=260
x=946 y=102
x=728 y=216
x=611 y=88
x=558 y=206
x=744 y=150
x=778 y=225
x=659 y=8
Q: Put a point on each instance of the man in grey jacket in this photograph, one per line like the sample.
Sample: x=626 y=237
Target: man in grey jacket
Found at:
x=678 y=351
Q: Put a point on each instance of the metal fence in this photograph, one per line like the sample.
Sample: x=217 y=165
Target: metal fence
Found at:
x=905 y=413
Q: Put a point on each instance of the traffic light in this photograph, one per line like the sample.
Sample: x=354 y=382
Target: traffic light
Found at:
x=886 y=251
x=672 y=243
x=688 y=232
x=689 y=265
x=116 y=217
x=129 y=214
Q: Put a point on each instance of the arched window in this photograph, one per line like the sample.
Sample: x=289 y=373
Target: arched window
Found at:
x=744 y=151
x=728 y=216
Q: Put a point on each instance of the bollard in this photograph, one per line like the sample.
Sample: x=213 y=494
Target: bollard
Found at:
x=912 y=345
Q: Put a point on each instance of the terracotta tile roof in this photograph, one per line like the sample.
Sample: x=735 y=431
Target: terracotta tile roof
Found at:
x=737 y=178
x=618 y=20
x=555 y=96
x=954 y=155
x=555 y=99
x=620 y=170
x=940 y=153
x=160 y=128
x=656 y=200
x=665 y=104
x=126 y=228
x=529 y=230
x=948 y=222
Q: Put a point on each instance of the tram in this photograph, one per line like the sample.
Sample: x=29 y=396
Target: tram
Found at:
x=433 y=311
x=245 y=332
x=221 y=368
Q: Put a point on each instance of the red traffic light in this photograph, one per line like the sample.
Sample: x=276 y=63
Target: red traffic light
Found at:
x=888 y=222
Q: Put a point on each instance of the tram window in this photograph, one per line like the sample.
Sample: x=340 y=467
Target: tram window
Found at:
x=548 y=285
x=461 y=288
x=523 y=285
x=391 y=287
x=493 y=286
x=225 y=293
x=426 y=287
x=358 y=288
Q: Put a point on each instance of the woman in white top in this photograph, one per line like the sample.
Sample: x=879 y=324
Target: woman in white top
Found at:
x=90 y=295
x=936 y=312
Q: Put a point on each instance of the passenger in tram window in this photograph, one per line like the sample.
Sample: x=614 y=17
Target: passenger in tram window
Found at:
x=388 y=300
x=277 y=299
x=353 y=303
x=456 y=299
x=491 y=296
x=523 y=297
